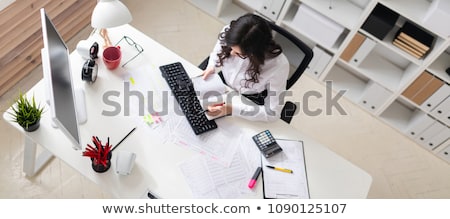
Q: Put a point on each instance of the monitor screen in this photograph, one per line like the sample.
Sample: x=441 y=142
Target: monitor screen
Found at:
x=57 y=74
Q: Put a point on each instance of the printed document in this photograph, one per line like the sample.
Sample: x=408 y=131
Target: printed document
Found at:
x=278 y=184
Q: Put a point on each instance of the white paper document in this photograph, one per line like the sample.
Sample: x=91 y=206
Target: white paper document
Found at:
x=210 y=87
x=279 y=184
x=219 y=144
x=208 y=179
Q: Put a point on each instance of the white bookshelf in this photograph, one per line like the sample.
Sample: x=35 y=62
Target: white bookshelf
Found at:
x=385 y=67
x=345 y=79
x=346 y=13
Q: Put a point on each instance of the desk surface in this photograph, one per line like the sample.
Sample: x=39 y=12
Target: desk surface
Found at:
x=157 y=162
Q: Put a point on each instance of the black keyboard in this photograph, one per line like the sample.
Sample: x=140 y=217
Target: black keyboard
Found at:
x=184 y=92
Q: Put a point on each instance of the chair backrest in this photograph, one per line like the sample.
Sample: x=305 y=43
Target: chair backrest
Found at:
x=297 y=52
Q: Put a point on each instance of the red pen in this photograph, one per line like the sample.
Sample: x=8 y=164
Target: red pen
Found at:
x=252 y=182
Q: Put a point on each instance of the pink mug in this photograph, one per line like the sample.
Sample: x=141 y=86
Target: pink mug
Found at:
x=112 y=56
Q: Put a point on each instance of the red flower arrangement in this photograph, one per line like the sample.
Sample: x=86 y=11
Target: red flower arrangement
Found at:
x=100 y=154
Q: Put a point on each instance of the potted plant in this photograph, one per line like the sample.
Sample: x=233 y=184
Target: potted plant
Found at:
x=100 y=155
x=26 y=113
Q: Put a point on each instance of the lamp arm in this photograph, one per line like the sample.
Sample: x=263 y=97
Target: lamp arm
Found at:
x=104 y=34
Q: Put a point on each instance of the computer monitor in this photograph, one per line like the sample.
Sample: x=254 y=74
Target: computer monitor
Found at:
x=66 y=104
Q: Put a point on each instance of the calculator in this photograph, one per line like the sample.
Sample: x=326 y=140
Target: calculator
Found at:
x=266 y=143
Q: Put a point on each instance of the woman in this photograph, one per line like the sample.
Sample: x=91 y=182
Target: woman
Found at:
x=252 y=64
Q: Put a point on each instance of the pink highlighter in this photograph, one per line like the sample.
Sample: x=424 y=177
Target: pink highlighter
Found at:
x=252 y=182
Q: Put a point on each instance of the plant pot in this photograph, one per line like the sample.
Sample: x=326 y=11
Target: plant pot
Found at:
x=33 y=127
x=99 y=168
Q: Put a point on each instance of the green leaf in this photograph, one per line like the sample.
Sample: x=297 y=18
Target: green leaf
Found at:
x=26 y=112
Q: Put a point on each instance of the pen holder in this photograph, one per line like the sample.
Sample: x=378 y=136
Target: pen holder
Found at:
x=99 y=154
x=99 y=167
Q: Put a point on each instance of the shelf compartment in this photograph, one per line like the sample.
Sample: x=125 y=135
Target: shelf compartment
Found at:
x=374 y=97
x=344 y=79
x=386 y=68
x=439 y=66
x=390 y=37
x=345 y=13
x=398 y=114
x=315 y=26
x=300 y=36
x=413 y=10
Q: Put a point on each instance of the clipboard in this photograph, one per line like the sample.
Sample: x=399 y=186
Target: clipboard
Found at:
x=283 y=185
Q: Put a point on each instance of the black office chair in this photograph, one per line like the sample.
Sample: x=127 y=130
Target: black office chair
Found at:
x=299 y=56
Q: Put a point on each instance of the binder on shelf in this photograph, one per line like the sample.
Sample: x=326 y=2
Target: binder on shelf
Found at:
x=380 y=21
x=322 y=63
x=417 y=85
x=427 y=91
x=362 y=52
x=427 y=135
x=442 y=111
x=418 y=123
x=271 y=9
x=311 y=66
x=374 y=96
x=422 y=88
x=439 y=138
x=353 y=46
x=434 y=100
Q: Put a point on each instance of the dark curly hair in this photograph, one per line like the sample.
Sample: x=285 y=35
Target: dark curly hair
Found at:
x=253 y=35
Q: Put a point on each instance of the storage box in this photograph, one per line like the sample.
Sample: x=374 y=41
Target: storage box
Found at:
x=380 y=21
x=316 y=26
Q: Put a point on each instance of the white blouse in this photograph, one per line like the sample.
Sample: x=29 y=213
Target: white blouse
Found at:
x=273 y=78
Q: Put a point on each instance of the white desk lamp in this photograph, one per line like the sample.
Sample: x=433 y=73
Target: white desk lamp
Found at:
x=110 y=13
x=106 y=14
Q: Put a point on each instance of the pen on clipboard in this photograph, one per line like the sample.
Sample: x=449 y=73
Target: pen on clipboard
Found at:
x=206 y=110
x=252 y=182
x=280 y=169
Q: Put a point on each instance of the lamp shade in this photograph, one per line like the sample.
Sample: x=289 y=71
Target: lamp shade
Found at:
x=110 y=13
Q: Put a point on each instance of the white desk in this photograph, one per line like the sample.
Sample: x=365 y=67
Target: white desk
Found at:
x=156 y=167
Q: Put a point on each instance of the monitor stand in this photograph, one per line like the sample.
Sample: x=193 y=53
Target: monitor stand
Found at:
x=80 y=108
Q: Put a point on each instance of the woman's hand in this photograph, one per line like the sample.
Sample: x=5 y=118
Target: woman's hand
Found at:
x=219 y=110
x=207 y=72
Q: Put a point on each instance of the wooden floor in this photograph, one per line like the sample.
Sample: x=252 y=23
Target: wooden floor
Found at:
x=399 y=167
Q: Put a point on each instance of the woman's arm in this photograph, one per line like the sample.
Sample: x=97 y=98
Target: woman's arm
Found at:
x=273 y=103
